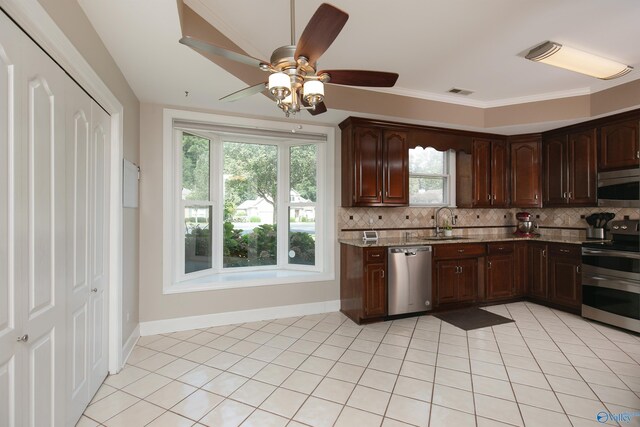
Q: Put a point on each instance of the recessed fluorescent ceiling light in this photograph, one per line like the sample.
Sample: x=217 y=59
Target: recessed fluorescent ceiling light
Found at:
x=576 y=60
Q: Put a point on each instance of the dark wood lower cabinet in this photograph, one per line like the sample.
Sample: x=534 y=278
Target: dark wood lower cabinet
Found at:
x=375 y=290
x=456 y=273
x=521 y=274
x=500 y=275
x=537 y=269
x=363 y=282
x=565 y=279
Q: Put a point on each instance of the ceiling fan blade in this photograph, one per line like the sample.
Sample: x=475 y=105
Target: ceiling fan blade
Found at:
x=210 y=48
x=322 y=29
x=247 y=91
x=320 y=108
x=361 y=78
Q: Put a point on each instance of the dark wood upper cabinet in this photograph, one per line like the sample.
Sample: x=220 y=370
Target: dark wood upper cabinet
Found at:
x=582 y=168
x=395 y=164
x=490 y=171
x=619 y=145
x=374 y=167
x=526 y=165
x=569 y=169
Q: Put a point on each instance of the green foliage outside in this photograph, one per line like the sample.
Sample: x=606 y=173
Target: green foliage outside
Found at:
x=250 y=171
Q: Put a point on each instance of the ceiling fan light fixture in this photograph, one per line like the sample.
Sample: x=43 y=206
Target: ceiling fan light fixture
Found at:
x=280 y=85
x=313 y=91
x=572 y=59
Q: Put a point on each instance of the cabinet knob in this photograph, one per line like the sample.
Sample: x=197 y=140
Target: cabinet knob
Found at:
x=578 y=269
x=637 y=154
x=488 y=196
x=382 y=274
x=535 y=196
x=564 y=195
x=375 y=255
x=489 y=264
x=23 y=338
x=494 y=197
x=460 y=251
x=566 y=251
x=570 y=195
x=544 y=253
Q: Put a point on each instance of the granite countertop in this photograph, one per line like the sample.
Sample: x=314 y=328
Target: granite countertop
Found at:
x=399 y=241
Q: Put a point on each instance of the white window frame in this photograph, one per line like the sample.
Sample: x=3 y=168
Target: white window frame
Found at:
x=174 y=279
x=449 y=176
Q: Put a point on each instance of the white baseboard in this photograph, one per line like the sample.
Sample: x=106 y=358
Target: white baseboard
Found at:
x=232 y=317
x=127 y=348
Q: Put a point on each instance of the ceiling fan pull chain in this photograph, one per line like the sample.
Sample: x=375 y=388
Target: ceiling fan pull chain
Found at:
x=293 y=22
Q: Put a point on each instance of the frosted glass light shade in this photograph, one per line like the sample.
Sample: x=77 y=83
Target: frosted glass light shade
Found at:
x=579 y=61
x=313 y=87
x=279 y=81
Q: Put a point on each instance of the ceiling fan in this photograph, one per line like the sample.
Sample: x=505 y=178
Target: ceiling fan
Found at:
x=294 y=81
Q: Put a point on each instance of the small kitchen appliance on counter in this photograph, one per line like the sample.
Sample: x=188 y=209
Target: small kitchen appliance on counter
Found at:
x=526 y=225
x=598 y=225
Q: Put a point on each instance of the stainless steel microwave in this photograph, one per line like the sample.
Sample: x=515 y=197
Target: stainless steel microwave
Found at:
x=619 y=188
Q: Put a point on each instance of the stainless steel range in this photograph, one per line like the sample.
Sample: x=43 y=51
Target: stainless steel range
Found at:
x=611 y=277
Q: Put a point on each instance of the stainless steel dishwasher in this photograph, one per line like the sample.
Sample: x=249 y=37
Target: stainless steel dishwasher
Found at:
x=409 y=279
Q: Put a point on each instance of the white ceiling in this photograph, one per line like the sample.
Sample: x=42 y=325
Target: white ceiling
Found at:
x=433 y=45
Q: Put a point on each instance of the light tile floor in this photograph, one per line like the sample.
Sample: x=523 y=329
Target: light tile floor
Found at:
x=549 y=368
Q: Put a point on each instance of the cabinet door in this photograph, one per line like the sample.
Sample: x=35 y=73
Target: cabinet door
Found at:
x=367 y=146
x=619 y=146
x=537 y=270
x=521 y=270
x=582 y=168
x=375 y=290
x=482 y=173
x=446 y=281
x=565 y=282
x=500 y=276
x=555 y=171
x=525 y=174
x=499 y=174
x=396 y=168
x=468 y=280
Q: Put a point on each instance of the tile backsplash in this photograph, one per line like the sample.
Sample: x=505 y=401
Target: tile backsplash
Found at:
x=392 y=222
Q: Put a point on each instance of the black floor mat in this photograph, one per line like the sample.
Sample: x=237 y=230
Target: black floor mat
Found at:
x=472 y=318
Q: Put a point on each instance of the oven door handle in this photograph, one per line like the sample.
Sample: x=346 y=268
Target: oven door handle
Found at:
x=612 y=283
x=617 y=254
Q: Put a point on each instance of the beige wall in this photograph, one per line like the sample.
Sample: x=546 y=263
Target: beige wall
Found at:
x=154 y=305
x=70 y=18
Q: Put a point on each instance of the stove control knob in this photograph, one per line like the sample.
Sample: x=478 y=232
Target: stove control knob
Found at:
x=624 y=227
x=615 y=227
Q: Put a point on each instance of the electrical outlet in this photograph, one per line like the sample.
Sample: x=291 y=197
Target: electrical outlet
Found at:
x=370 y=221
x=128 y=316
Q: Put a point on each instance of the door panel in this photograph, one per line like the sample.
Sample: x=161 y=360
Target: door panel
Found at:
x=99 y=188
x=8 y=393
x=482 y=173
x=582 y=168
x=619 y=146
x=368 y=166
x=555 y=166
x=500 y=276
x=468 y=281
x=44 y=237
x=446 y=281
x=78 y=291
x=42 y=380
x=525 y=174
x=396 y=168
x=499 y=174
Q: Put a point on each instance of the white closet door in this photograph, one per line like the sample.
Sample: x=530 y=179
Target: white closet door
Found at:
x=98 y=244
x=78 y=130
x=10 y=395
x=41 y=237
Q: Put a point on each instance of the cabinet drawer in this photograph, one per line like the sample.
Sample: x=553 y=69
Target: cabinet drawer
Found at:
x=499 y=248
x=374 y=255
x=571 y=251
x=458 y=250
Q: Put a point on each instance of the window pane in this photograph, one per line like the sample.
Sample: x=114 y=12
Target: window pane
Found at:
x=195 y=167
x=250 y=195
x=302 y=235
x=197 y=238
x=426 y=161
x=426 y=191
x=303 y=180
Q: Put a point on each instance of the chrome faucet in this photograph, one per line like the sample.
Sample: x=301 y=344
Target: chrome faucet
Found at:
x=453 y=219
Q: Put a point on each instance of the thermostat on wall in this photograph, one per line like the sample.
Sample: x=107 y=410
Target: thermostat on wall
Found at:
x=370 y=236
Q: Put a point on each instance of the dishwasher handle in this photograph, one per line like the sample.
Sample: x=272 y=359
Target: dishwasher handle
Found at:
x=410 y=251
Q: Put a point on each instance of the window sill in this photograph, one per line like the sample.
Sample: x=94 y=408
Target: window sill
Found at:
x=247 y=279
